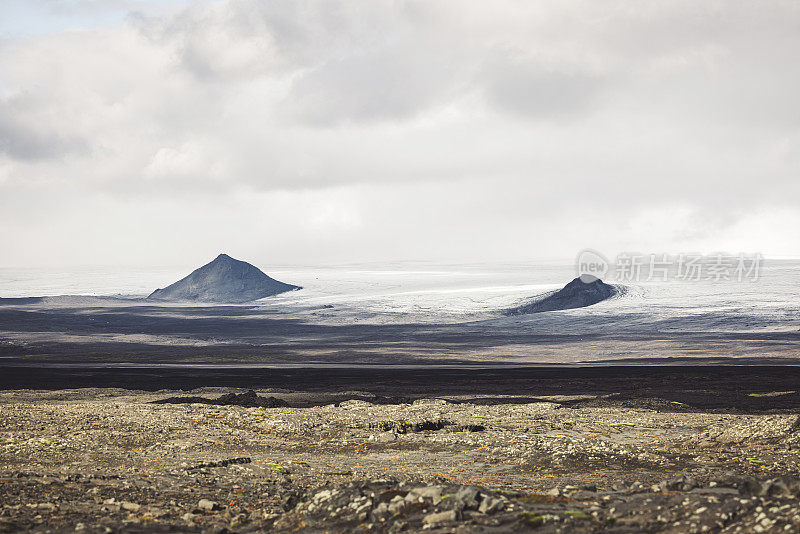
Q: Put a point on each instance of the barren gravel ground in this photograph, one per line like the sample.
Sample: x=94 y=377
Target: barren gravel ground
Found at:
x=111 y=460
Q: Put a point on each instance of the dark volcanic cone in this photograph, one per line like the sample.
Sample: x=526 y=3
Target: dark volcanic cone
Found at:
x=224 y=280
x=579 y=293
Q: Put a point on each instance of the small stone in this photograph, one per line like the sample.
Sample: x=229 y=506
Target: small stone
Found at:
x=323 y=495
x=776 y=488
x=130 y=506
x=383 y=437
x=490 y=505
x=360 y=509
x=380 y=512
x=434 y=493
x=468 y=497
x=681 y=483
x=355 y=403
x=440 y=517
x=207 y=505
x=396 y=505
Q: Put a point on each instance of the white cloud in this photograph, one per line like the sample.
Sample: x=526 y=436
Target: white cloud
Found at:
x=393 y=129
x=186 y=165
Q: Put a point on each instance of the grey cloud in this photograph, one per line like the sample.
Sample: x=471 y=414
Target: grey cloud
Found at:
x=497 y=124
x=385 y=84
x=538 y=88
x=26 y=140
x=248 y=38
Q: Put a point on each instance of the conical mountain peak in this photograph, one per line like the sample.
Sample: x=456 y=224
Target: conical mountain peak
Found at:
x=224 y=280
x=578 y=293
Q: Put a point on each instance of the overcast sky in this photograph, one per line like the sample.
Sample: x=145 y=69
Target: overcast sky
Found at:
x=160 y=132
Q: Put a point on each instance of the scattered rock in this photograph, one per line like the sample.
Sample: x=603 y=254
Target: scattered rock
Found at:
x=221 y=463
x=658 y=476
x=431 y=493
x=383 y=437
x=355 y=403
x=681 y=483
x=467 y=497
x=208 y=505
x=440 y=517
x=402 y=427
x=490 y=505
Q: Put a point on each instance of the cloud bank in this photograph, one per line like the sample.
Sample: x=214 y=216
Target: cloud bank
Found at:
x=151 y=132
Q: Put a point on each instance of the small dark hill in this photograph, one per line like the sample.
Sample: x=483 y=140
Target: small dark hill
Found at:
x=224 y=280
x=576 y=294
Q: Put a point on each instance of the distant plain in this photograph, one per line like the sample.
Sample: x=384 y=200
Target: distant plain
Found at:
x=398 y=313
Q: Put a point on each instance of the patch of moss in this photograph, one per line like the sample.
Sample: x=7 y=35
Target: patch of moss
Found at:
x=531 y=519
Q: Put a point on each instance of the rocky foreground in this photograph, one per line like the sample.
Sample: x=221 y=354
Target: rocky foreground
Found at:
x=102 y=460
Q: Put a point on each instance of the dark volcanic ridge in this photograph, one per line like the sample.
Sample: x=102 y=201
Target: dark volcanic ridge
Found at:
x=224 y=280
x=247 y=400
x=581 y=292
